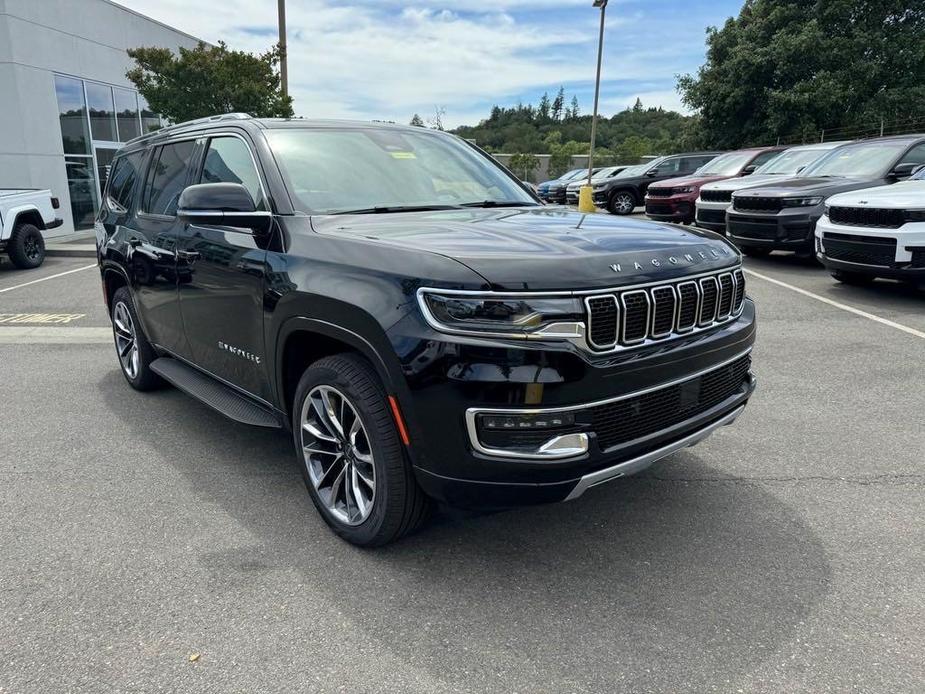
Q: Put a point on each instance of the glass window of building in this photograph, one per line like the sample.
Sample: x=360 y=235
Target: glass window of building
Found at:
x=150 y=121
x=72 y=110
x=102 y=111
x=127 y=114
x=81 y=185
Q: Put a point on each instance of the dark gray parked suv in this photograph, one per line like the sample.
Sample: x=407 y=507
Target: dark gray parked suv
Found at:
x=784 y=216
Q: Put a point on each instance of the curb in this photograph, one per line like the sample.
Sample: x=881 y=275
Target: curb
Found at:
x=74 y=251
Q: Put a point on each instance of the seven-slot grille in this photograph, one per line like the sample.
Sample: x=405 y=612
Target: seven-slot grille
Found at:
x=627 y=420
x=659 y=192
x=867 y=217
x=716 y=195
x=654 y=313
x=740 y=202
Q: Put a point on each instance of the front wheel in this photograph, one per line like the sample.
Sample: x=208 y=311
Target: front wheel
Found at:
x=350 y=453
x=622 y=203
x=27 y=247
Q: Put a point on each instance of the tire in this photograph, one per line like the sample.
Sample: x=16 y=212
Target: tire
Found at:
x=387 y=502
x=26 y=247
x=622 y=202
x=755 y=252
x=133 y=350
x=853 y=278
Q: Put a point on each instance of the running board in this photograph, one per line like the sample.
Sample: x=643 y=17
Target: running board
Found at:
x=214 y=394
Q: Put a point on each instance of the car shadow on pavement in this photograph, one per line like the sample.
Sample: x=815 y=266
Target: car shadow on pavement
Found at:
x=646 y=583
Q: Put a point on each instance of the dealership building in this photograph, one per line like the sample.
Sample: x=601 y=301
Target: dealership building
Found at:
x=65 y=103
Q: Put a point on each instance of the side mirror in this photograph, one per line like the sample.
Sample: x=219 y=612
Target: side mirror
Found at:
x=748 y=170
x=800 y=169
x=221 y=204
x=903 y=170
x=651 y=173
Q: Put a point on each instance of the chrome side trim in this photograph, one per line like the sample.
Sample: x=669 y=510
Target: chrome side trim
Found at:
x=629 y=467
x=473 y=412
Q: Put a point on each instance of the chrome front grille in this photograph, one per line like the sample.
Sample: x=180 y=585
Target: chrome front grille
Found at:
x=651 y=314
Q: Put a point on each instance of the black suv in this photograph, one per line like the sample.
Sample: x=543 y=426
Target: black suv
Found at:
x=422 y=325
x=627 y=190
x=783 y=216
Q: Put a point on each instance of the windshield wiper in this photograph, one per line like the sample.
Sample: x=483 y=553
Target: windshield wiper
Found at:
x=500 y=203
x=388 y=209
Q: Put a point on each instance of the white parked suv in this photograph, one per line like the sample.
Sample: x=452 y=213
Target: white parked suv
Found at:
x=877 y=232
x=715 y=198
x=24 y=215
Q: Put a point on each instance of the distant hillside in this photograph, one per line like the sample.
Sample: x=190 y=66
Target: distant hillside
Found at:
x=552 y=128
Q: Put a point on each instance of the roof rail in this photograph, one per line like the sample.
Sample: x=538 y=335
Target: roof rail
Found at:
x=198 y=121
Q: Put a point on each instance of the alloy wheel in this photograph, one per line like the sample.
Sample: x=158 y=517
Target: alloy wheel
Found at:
x=31 y=248
x=623 y=203
x=126 y=340
x=338 y=455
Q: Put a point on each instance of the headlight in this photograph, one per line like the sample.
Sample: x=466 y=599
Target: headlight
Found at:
x=684 y=189
x=801 y=202
x=598 y=186
x=502 y=316
x=915 y=215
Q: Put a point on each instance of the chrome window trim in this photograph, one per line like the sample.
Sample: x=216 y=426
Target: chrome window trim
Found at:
x=473 y=412
x=616 y=332
x=645 y=336
x=674 y=313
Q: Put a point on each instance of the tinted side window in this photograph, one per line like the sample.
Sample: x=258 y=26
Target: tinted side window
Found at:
x=229 y=161
x=670 y=166
x=124 y=179
x=763 y=158
x=916 y=155
x=167 y=177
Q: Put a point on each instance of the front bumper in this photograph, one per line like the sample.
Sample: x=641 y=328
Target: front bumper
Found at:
x=711 y=215
x=877 y=252
x=458 y=383
x=790 y=229
x=676 y=208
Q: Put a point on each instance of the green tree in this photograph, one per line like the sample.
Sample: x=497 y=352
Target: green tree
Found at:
x=524 y=164
x=575 y=111
x=209 y=80
x=542 y=111
x=558 y=105
x=786 y=68
x=416 y=120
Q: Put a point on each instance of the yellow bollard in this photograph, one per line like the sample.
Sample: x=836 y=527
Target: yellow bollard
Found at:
x=585 y=201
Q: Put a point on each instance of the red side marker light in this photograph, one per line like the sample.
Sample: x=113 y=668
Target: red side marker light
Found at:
x=399 y=422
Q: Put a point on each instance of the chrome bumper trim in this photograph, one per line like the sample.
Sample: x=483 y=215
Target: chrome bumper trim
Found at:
x=629 y=467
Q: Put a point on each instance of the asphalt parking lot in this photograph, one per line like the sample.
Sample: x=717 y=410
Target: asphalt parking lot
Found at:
x=784 y=554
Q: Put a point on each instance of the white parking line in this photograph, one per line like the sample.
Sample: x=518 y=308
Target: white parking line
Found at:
x=42 y=279
x=55 y=336
x=843 y=307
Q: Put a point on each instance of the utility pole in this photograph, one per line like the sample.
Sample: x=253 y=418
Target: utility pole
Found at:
x=585 y=201
x=283 y=66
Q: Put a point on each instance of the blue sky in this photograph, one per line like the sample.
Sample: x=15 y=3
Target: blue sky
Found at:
x=387 y=59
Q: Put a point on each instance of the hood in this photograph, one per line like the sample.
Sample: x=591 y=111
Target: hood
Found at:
x=544 y=248
x=694 y=181
x=747 y=182
x=901 y=196
x=805 y=186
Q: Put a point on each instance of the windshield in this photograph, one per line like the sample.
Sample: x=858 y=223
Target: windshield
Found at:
x=867 y=160
x=726 y=164
x=791 y=161
x=331 y=171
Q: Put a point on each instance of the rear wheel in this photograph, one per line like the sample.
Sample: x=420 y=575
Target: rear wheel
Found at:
x=853 y=278
x=26 y=247
x=622 y=202
x=350 y=453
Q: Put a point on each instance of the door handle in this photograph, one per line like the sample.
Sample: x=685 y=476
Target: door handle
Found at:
x=189 y=255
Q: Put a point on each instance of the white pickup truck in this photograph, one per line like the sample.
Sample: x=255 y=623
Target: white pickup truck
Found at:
x=24 y=215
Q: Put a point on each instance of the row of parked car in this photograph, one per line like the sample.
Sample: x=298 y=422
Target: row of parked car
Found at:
x=858 y=207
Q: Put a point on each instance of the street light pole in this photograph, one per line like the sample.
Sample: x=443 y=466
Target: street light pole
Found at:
x=283 y=66
x=585 y=202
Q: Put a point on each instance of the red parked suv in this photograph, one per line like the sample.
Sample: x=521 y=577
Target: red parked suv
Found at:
x=673 y=200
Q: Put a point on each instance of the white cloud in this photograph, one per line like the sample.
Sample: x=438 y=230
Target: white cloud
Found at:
x=389 y=59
